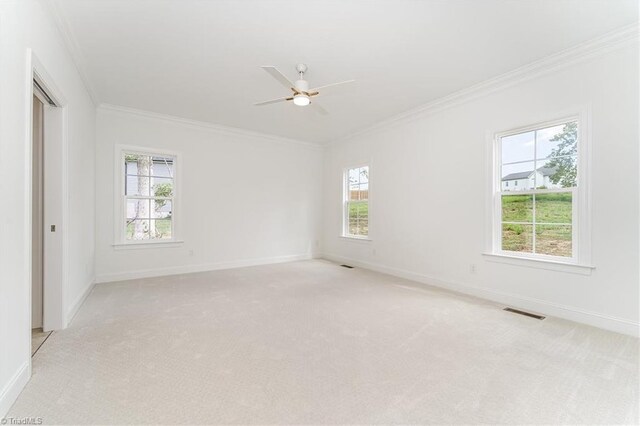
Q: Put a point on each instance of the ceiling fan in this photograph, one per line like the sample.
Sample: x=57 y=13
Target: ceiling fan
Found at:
x=301 y=95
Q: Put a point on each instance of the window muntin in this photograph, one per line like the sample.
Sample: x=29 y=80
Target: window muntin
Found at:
x=356 y=202
x=537 y=195
x=148 y=196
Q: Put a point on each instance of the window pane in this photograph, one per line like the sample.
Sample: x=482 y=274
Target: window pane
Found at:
x=558 y=172
x=353 y=211
x=161 y=209
x=518 y=177
x=138 y=229
x=354 y=176
x=358 y=192
x=363 y=227
x=363 y=209
x=137 y=164
x=358 y=209
x=136 y=185
x=518 y=147
x=138 y=209
x=553 y=240
x=364 y=191
x=364 y=174
x=162 y=187
x=354 y=192
x=160 y=229
x=130 y=166
x=517 y=237
x=358 y=218
x=557 y=141
x=353 y=226
x=554 y=208
x=162 y=167
x=517 y=208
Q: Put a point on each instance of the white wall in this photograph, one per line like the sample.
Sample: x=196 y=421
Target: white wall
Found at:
x=246 y=198
x=27 y=24
x=429 y=192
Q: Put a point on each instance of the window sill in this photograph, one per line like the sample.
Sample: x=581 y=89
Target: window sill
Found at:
x=147 y=245
x=354 y=238
x=551 y=265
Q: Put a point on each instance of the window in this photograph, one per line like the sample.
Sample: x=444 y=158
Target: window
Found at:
x=356 y=202
x=148 y=197
x=538 y=218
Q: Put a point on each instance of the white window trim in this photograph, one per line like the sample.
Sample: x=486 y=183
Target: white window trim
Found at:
x=580 y=262
x=120 y=241
x=344 y=213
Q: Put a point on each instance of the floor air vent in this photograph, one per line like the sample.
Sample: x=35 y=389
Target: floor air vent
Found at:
x=527 y=314
x=347 y=266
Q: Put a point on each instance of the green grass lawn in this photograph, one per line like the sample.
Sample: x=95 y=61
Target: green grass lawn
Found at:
x=359 y=218
x=552 y=238
x=162 y=230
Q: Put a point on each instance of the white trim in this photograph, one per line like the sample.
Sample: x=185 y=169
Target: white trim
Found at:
x=557 y=61
x=345 y=201
x=119 y=197
x=70 y=42
x=618 y=325
x=187 y=269
x=12 y=389
x=539 y=263
x=54 y=286
x=216 y=128
x=355 y=238
x=78 y=303
x=581 y=211
x=151 y=244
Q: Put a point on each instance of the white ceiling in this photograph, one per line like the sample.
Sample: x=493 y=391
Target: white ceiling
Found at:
x=200 y=59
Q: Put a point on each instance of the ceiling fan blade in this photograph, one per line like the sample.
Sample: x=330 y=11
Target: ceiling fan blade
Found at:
x=317 y=108
x=273 y=71
x=274 y=101
x=328 y=88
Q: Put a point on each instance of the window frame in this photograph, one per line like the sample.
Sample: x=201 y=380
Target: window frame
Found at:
x=120 y=198
x=581 y=211
x=345 y=202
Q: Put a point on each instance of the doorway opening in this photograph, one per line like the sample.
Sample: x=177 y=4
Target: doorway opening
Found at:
x=47 y=206
x=38 y=336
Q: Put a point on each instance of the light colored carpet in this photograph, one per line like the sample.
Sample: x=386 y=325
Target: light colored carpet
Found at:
x=311 y=342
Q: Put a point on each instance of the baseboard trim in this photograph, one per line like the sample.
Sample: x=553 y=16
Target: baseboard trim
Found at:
x=594 y=319
x=78 y=303
x=11 y=391
x=186 y=269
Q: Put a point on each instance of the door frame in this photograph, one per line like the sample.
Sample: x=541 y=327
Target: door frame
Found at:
x=55 y=266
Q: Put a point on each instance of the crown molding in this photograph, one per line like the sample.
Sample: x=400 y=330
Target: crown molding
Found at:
x=72 y=46
x=595 y=47
x=217 y=128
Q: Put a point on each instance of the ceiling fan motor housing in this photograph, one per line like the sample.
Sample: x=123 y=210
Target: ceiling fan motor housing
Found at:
x=302 y=85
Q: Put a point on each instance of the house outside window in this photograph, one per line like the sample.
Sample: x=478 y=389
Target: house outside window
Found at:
x=537 y=216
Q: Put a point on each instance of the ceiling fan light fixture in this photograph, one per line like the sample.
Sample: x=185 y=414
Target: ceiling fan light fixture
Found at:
x=302 y=94
x=301 y=99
